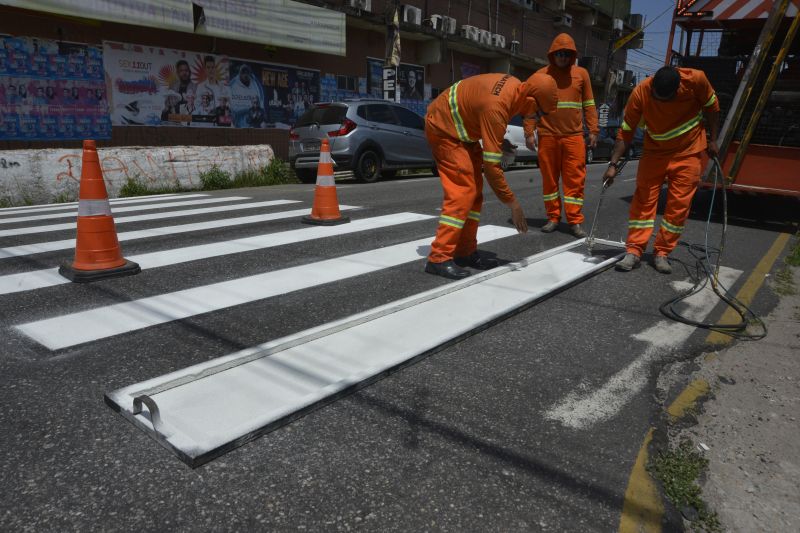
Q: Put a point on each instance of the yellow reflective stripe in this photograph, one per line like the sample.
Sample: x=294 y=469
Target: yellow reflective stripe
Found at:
x=573 y=200
x=548 y=197
x=711 y=100
x=677 y=132
x=641 y=223
x=625 y=126
x=492 y=157
x=451 y=221
x=569 y=105
x=474 y=215
x=459 y=123
x=672 y=228
x=587 y=103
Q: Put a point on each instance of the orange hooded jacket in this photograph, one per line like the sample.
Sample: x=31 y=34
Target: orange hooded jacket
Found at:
x=480 y=108
x=674 y=128
x=574 y=95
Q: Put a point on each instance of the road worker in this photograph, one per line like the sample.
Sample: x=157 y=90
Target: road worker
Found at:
x=561 y=144
x=670 y=107
x=476 y=109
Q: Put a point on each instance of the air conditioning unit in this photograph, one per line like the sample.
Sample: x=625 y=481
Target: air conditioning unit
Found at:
x=485 y=37
x=618 y=24
x=564 y=20
x=514 y=47
x=449 y=25
x=627 y=78
x=362 y=5
x=470 y=32
x=498 y=40
x=436 y=22
x=620 y=77
x=590 y=63
x=636 y=21
x=412 y=15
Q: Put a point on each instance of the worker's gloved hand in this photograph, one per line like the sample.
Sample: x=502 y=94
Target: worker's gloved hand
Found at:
x=593 y=140
x=609 y=175
x=532 y=142
x=518 y=217
x=712 y=149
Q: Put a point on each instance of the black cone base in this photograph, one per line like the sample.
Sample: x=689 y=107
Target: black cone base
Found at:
x=86 y=276
x=325 y=222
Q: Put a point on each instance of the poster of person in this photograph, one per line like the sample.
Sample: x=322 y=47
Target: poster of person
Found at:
x=51 y=91
x=289 y=91
x=247 y=95
x=411 y=80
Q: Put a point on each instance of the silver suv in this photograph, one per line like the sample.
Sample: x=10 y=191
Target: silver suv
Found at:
x=373 y=138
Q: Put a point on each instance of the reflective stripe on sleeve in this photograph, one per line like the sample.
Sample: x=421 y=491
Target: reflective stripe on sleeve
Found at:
x=451 y=221
x=475 y=215
x=626 y=127
x=92 y=208
x=492 y=157
x=588 y=103
x=711 y=100
x=569 y=105
x=459 y=123
x=672 y=228
x=676 y=132
x=641 y=224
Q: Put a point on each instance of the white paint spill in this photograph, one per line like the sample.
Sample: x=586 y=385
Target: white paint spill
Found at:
x=99 y=323
x=580 y=410
x=38 y=279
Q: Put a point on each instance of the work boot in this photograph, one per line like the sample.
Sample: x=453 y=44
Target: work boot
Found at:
x=628 y=263
x=447 y=269
x=577 y=230
x=661 y=264
x=550 y=226
x=477 y=261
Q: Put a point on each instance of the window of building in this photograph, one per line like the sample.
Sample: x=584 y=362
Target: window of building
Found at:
x=346 y=83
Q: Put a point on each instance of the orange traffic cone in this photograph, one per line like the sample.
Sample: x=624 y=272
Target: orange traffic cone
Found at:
x=97 y=251
x=325 y=211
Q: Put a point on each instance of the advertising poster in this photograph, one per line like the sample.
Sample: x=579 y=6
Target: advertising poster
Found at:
x=52 y=91
x=375 y=77
x=411 y=81
x=162 y=87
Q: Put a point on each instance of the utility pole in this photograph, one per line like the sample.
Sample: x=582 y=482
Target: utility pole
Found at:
x=610 y=94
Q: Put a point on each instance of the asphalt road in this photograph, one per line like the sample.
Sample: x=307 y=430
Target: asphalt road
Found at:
x=464 y=440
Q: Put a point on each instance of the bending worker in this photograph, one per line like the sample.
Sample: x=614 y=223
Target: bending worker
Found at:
x=670 y=106
x=476 y=109
x=562 y=149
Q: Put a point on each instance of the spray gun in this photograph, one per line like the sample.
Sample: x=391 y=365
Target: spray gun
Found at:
x=590 y=239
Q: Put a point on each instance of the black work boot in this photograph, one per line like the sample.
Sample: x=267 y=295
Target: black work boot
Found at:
x=550 y=226
x=447 y=269
x=477 y=261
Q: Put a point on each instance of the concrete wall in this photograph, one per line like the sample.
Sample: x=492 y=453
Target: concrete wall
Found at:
x=42 y=176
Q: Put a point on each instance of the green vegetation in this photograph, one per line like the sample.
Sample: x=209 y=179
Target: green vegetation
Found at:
x=678 y=470
x=784 y=280
x=793 y=258
x=215 y=178
x=135 y=186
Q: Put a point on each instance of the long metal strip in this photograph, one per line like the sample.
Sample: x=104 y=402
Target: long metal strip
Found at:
x=208 y=409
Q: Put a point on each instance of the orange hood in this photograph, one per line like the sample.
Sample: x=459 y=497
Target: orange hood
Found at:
x=562 y=42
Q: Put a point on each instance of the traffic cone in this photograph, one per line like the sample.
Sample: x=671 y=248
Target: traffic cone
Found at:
x=97 y=251
x=325 y=211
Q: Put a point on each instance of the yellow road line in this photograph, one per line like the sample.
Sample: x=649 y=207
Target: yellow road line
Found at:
x=750 y=288
x=688 y=398
x=643 y=509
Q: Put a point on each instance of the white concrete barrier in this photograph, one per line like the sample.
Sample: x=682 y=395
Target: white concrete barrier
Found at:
x=42 y=176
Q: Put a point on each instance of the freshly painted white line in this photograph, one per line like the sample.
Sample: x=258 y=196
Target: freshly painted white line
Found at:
x=580 y=410
x=69 y=330
x=125 y=209
x=114 y=201
x=51 y=246
x=11 y=210
x=152 y=216
x=210 y=405
x=38 y=279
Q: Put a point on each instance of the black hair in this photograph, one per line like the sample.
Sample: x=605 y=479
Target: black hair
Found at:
x=181 y=62
x=666 y=82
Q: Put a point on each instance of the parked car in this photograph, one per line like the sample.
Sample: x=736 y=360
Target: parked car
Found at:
x=373 y=138
x=605 y=144
x=516 y=136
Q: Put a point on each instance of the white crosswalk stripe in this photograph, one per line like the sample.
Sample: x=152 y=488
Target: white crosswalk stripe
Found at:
x=72 y=206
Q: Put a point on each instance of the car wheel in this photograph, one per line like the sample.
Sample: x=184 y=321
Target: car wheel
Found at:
x=388 y=174
x=368 y=168
x=589 y=156
x=434 y=171
x=306 y=175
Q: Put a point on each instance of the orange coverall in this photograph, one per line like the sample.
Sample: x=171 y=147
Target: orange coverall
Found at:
x=675 y=138
x=477 y=108
x=562 y=149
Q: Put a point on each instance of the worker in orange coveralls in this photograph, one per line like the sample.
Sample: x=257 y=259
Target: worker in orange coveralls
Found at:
x=670 y=106
x=476 y=109
x=562 y=149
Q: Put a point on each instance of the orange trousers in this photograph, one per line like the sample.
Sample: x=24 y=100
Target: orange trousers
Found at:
x=565 y=157
x=460 y=168
x=683 y=175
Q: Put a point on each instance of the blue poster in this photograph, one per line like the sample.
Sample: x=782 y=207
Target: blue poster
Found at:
x=52 y=91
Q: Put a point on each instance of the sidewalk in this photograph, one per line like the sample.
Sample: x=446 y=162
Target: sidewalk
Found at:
x=751 y=426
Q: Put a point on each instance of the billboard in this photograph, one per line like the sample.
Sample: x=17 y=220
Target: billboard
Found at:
x=51 y=91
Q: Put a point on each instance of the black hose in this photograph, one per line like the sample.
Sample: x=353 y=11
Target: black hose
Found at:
x=705 y=274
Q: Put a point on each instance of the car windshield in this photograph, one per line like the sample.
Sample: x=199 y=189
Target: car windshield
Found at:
x=322 y=114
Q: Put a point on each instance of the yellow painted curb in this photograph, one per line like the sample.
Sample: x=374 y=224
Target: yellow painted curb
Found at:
x=750 y=288
x=688 y=398
x=643 y=509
